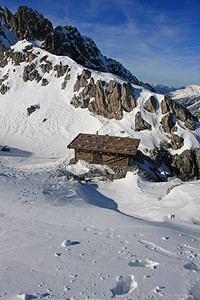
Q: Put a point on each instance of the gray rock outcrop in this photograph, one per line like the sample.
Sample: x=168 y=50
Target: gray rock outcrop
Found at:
x=108 y=100
x=141 y=124
x=177 y=142
x=168 y=124
x=151 y=104
x=181 y=112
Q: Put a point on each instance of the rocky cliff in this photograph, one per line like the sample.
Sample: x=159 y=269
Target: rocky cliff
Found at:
x=28 y=24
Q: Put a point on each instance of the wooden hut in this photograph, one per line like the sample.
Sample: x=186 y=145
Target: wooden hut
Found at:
x=104 y=149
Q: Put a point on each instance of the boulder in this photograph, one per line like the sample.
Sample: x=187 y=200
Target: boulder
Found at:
x=61 y=70
x=44 y=82
x=184 y=165
x=127 y=97
x=151 y=104
x=177 y=142
x=168 y=124
x=46 y=67
x=86 y=73
x=4 y=89
x=141 y=124
x=31 y=109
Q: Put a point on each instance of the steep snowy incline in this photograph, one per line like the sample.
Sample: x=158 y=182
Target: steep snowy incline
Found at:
x=33 y=79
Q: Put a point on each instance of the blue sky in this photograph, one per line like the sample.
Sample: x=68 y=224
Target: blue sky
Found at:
x=157 y=40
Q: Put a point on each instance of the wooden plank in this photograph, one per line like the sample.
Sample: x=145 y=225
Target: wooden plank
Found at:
x=105 y=144
x=121 y=151
x=101 y=140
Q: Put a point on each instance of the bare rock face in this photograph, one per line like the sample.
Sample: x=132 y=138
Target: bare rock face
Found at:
x=177 y=142
x=86 y=74
x=46 y=67
x=141 y=124
x=30 y=73
x=61 y=70
x=184 y=165
x=168 y=124
x=108 y=100
x=64 y=84
x=44 y=82
x=28 y=24
x=127 y=97
x=31 y=57
x=4 y=88
x=151 y=105
x=81 y=81
x=189 y=124
x=182 y=113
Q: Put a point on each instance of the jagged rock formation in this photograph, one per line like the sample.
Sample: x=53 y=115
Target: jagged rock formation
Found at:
x=168 y=124
x=177 y=142
x=32 y=70
x=108 y=100
x=182 y=113
x=151 y=104
x=141 y=124
x=187 y=165
x=28 y=24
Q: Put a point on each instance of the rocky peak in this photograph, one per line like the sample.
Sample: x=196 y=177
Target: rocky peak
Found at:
x=28 y=24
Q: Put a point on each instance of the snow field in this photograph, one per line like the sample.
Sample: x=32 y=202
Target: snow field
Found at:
x=75 y=249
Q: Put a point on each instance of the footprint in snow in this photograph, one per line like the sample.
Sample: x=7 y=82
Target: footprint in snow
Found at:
x=144 y=263
x=191 y=266
x=33 y=296
x=67 y=243
x=125 y=285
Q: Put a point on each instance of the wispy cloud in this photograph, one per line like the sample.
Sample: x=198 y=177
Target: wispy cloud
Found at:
x=154 y=39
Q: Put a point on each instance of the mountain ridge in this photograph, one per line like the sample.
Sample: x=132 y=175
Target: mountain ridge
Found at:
x=65 y=99
x=28 y=24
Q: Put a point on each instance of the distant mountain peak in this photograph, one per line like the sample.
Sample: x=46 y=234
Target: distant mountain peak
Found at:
x=163 y=89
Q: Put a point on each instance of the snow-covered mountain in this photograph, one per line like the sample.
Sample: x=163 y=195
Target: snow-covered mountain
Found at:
x=71 y=98
x=63 y=235
x=163 y=89
x=28 y=24
x=186 y=96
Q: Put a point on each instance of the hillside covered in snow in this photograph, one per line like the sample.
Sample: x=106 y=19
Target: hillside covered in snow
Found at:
x=80 y=230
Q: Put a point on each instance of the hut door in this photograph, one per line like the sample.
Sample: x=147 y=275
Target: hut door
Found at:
x=97 y=158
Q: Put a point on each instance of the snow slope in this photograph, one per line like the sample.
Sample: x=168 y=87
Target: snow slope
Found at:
x=65 y=239
x=58 y=242
x=64 y=122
